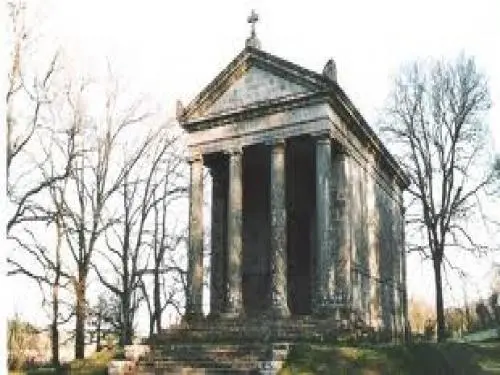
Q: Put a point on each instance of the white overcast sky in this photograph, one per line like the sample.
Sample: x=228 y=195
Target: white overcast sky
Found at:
x=172 y=49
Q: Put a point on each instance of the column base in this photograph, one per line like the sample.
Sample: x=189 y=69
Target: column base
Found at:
x=193 y=317
x=214 y=315
x=276 y=312
x=231 y=315
x=331 y=310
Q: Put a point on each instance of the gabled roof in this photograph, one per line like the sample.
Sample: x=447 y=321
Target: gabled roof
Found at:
x=196 y=114
x=247 y=58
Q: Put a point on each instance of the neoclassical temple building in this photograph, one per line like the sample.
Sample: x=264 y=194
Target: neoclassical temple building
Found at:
x=307 y=210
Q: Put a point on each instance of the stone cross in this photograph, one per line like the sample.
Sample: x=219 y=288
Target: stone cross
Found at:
x=252 y=19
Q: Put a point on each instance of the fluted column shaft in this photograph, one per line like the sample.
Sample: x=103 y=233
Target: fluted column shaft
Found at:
x=324 y=276
x=341 y=225
x=279 y=305
x=194 y=298
x=234 y=304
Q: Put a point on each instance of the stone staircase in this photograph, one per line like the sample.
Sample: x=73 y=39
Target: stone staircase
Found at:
x=213 y=359
x=259 y=329
x=251 y=345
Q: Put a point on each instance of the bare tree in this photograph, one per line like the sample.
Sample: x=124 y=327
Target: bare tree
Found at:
x=167 y=240
x=43 y=262
x=95 y=177
x=30 y=94
x=104 y=319
x=125 y=240
x=44 y=267
x=436 y=126
x=32 y=138
x=153 y=183
x=169 y=276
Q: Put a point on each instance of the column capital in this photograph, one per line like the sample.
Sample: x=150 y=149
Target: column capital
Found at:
x=235 y=150
x=278 y=146
x=322 y=136
x=275 y=142
x=194 y=156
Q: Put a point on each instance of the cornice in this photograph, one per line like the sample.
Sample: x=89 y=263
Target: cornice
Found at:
x=322 y=90
x=254 y=110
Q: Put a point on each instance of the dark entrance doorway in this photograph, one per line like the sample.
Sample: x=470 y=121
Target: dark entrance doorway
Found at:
x=301 y=203
x=256 y=228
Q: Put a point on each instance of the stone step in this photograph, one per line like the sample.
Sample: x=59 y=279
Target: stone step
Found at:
x=165 y=349
x=201 y=363
x=217 y=346
x=249 y=335
x=211 y=358
x=276 y=324
x=196 y=371
x=198 y=355
x=216 y=358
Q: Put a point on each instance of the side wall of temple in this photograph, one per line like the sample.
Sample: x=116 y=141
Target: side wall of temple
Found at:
x=377 y=262
x=376 y=238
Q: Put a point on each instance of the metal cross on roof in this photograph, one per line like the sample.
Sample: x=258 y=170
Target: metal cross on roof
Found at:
x=252 y=19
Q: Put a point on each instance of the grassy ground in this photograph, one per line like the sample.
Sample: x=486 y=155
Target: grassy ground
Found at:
x=450 y=358
x=96 y=364
x=425 y=359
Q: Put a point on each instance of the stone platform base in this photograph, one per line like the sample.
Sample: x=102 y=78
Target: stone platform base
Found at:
x=256 y=345
x=261 y=329
x=214 y=359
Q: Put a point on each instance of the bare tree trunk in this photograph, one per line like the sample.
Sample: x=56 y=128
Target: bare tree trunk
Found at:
x=80 y=319
x=98 y=329
x=54 y=341
x=127 y=321
x=55 y=297
x=440 y=323
x=157 y=301
x=151 y=326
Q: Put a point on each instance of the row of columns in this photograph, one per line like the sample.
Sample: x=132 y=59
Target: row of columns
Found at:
x=227 y=267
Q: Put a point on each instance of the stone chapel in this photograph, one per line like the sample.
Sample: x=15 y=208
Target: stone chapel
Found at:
x=307 y=209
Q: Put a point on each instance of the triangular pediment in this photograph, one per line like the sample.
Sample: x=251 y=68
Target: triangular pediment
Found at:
x=250 y=80
x=255 y=86
x=257 y=83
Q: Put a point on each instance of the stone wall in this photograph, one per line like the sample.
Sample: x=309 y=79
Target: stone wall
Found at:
x=376 y=249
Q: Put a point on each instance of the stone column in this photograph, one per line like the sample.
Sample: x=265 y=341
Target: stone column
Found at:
x=234 y=306
x=341 y=225
x=279 y=305
x=218 y=256
x=194 y=298
x=404 y=294
x=324 y=282
x=396 y=260
x=372 y=228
